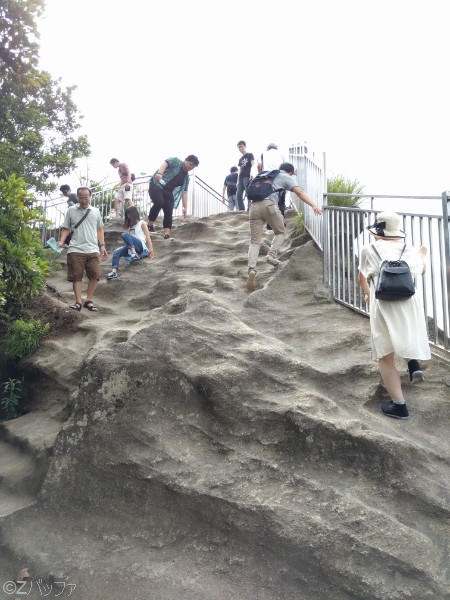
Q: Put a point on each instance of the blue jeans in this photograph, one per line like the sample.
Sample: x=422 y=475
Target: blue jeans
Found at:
x=130 y=242
x=241 y=187
x=232 y=202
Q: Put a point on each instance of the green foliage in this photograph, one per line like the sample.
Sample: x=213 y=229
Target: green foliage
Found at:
x=23 y=268
x=53 y=260
x=299 y=224
x=12 y=391
x=37 y=116
x=342 y=185
x=23 y=337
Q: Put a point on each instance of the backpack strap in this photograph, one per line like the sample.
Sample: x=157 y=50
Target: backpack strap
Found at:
x=82 y=218
x=399 y=258
x=376 y=252
x=370 y=278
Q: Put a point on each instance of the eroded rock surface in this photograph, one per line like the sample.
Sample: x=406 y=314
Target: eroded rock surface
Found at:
x=194 y=441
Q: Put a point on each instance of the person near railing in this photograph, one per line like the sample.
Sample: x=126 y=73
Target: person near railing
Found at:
x=72 y=198
x=125 y=191
x=230 y=186
x=398 y=328
x=169 y=185
x=245 y=165
x=267 y=211
x=270 y=159
x=83 y=252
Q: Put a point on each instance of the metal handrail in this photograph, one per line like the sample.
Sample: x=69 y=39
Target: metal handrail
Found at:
x=344 y=235
x=203 y=200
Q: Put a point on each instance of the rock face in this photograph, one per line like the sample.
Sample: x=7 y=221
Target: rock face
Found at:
x=195 y=441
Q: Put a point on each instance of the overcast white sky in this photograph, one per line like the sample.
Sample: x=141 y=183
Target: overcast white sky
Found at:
x=365 y=82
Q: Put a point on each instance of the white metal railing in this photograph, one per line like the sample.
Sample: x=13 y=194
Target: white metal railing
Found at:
x=311 y=178
x=202 y=201
x=344 y=235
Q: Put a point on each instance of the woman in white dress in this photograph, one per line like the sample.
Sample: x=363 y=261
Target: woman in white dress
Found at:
x=138 y=243
x=398 y=328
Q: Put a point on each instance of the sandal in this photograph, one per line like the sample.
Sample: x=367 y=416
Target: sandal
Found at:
x=90 y=306
x=76 y=306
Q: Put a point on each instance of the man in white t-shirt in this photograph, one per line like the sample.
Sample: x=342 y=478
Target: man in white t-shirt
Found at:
x=270 y=159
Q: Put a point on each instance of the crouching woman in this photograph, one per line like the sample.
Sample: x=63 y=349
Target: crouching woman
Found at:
x=138 y=243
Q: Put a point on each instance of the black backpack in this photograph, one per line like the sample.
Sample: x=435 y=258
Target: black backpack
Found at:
x=261 y=186
x=395 y=281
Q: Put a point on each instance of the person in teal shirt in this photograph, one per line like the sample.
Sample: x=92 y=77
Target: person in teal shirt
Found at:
x=169 y=185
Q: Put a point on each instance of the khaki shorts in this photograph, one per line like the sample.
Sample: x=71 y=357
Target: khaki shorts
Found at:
x=78 y=262
x=124 y=194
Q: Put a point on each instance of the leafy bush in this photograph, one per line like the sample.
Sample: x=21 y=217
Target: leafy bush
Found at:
x=23 y=337
x=298 y=224
x=12 y=391
x=52 y=258
x=342 y=185
x=23 y=268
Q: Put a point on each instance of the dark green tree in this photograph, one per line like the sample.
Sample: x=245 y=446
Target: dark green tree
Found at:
x=38 y=118
x=23 y=268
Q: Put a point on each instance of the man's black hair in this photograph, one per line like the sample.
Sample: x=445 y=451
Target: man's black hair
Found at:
x=287 y=167
x=241 y=143
x=234 y=169
x=113 y=160
x=64 y=188
x=193 y=159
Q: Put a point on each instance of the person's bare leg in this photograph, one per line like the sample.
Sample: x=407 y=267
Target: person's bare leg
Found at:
x=92 y=286
x=390 y=376
x=116 y=207
x=77 y=285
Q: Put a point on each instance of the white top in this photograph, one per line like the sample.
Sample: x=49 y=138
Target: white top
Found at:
x=138 y=232
x=272 y=159
x=396 y=326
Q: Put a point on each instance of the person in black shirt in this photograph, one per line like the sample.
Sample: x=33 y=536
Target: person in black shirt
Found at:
x=245 y=165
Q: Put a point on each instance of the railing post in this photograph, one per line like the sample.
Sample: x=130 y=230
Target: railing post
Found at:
x=325 y=239
x=192 y=185
x=44 y=225
x=446 y=224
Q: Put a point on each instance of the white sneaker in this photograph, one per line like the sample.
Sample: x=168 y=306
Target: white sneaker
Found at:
x=251 y=280
x=272 y=260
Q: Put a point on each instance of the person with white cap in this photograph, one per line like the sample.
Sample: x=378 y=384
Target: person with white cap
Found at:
x=398 y=328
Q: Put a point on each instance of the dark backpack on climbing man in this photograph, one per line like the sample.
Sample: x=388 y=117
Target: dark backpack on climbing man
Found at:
x=395 y=281
x=261 y=186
